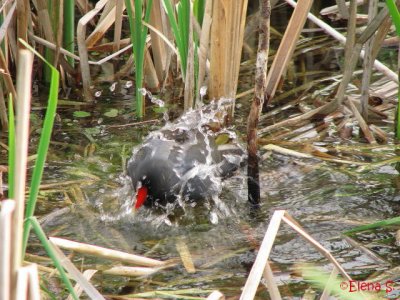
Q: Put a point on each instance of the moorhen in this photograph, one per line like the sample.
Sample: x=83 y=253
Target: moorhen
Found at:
x=182 y=160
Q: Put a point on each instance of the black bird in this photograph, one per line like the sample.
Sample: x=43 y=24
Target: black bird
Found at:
x=182 y=159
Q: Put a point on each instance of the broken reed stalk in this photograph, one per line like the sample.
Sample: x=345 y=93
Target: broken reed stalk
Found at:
x=253 y=180
x=259 y=265
x=286 y=48
x=106 y=253
x=82 y=48
x=23 y=105
x=227 y=30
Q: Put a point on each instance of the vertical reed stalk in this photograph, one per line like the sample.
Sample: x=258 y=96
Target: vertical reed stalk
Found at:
x=24 y=83
x=368 y=63
x=7 y=208
x=119 y=10
x=22 y=19
x=253 y=180
x=69 y=28
x=226 y=46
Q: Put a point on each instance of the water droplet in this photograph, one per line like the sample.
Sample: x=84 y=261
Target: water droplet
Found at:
x=213 y=218
x=112 y=87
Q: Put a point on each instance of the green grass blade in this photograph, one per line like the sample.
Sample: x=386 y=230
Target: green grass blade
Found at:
x=51 y=253
x=11 y=147
x=394 y=13
x=337 y=287
x=43 y=144
x=388 y=222
x=182 y=49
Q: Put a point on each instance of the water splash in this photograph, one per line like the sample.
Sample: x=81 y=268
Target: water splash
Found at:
x=160 y=103
x=194 y=127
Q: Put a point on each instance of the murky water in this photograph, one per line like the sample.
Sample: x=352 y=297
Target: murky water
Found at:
x=326 y=199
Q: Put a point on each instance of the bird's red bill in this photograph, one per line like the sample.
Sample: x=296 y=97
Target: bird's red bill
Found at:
x=141 y=196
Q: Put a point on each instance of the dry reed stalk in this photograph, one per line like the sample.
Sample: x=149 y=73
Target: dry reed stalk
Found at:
x=188 y=100
x=82 y=49
x=337 y=35
x=119 y=10
x=130 y=271
x=106 y=253
x=3 y=109
x=23 y=105
x=368 y=63
x=216 y=295
x=45 y=21
x=226 y=47
x=76 y=274
x=272 y=287
x=361 y=122
x=102 y=27
x=22 y=20
x=260 y=95
x=150 y=73
x=28 y=283
x=8 y=82
x=250 y=288
x=158 y=46
x=88 y=274
x=6 y=21
x=7 y=208
x=59 y=33
x=186 y=257
x=203 y=47
x=286 y=48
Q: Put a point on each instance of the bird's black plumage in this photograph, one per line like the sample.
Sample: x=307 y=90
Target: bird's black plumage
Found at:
x=182 y=159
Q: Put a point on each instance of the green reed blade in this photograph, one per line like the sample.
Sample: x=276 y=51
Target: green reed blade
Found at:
x=388 y=222
x=11 y=147
x=198 y=10
x=43 y=143
x=394 y=13
x=138 y=38
x=180 y=28
x=69 y=28
x=51 y=253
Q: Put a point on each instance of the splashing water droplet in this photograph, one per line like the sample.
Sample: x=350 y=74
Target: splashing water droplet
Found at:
x=143 y=91
x=214 y=218
x=128 y=84
x=113 y=86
